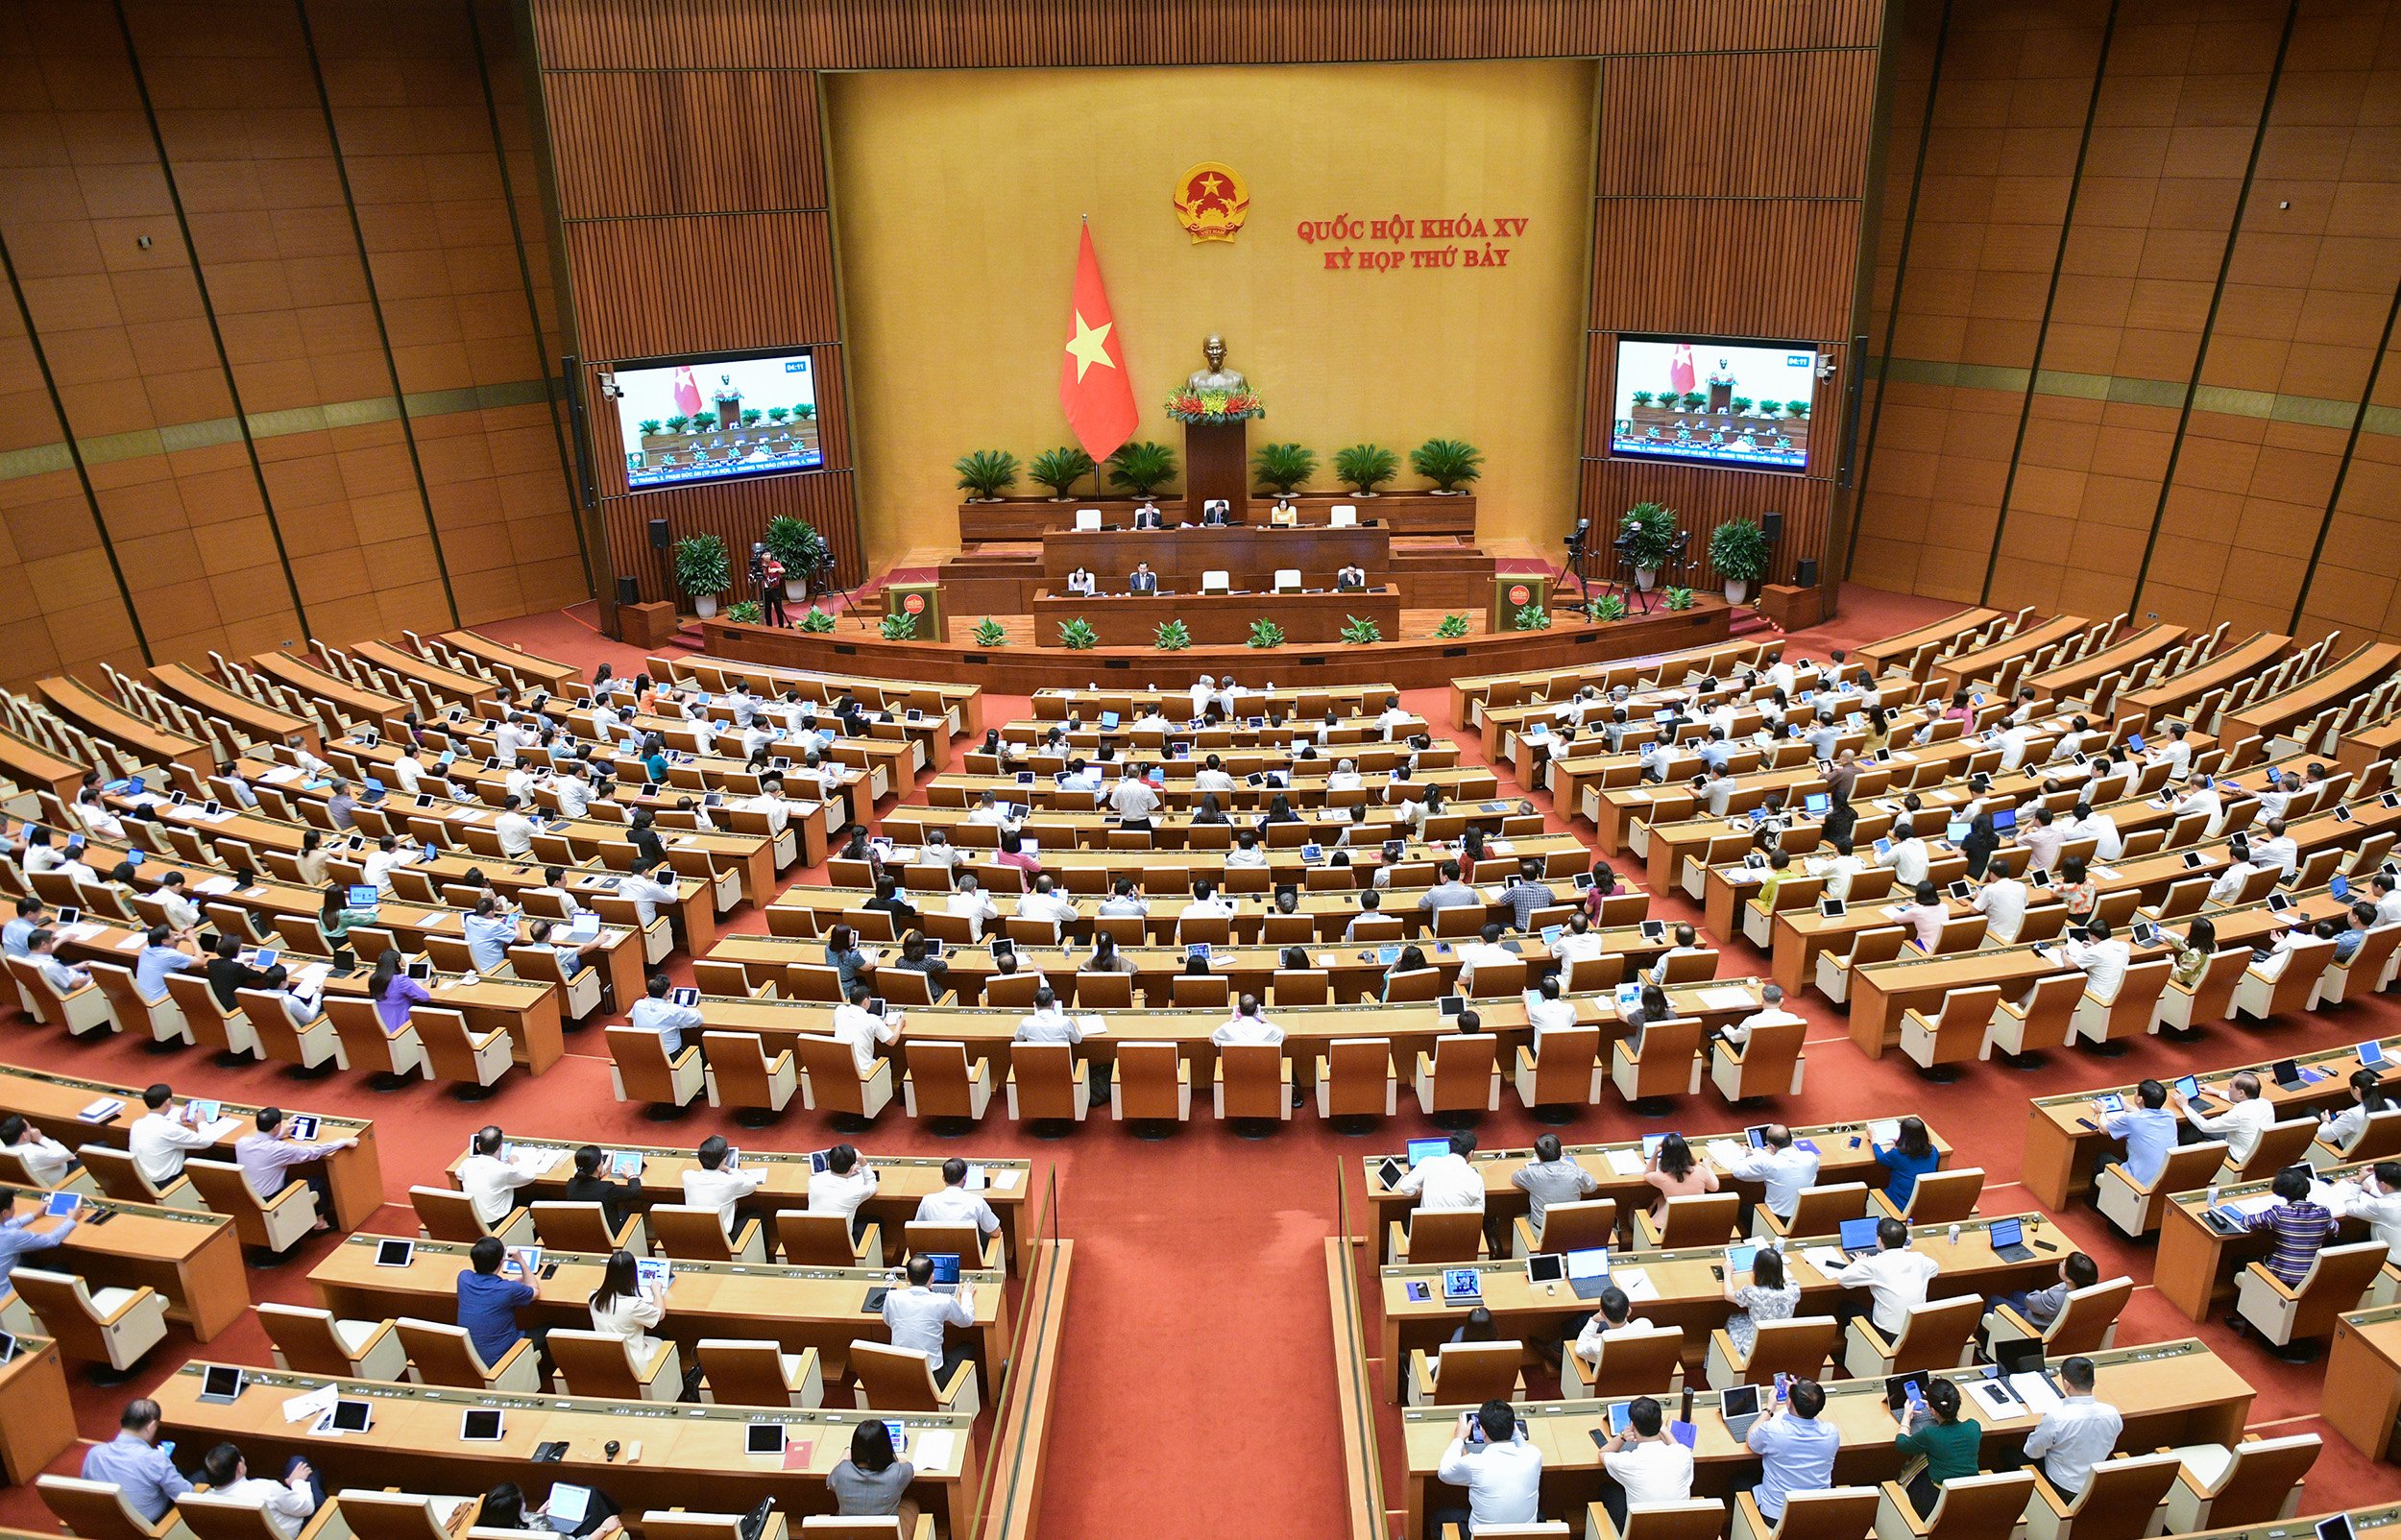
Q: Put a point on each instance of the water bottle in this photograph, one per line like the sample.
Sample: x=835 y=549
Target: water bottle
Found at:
x=1954 y=1234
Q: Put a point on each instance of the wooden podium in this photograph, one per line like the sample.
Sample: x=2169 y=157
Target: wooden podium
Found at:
x=1217 y=463
x=921 y=602
x=1511 y=593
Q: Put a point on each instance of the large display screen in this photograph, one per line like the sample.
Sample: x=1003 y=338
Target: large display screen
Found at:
x=1707 y=401
x=708 y=419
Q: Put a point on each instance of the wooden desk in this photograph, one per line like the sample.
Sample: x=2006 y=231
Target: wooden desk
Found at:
x=1471 y=694
x=903 y=1182
x=464 y=690
x=198 y=690
x=962 y=706
x=104 y=718
x=1966 y=669
x=1217 y=619
x=2077 y=679
x=2362 y=1396
x=2169 y=1393
x=798 y=1308
x=36 y=768
x=2062 y=1153
x=1895 y=650
x=50 y=1102
x=1843 y=1156
x=690 y=1455
x=1252 y=554
x=2363 y=746
x=349 y=701
x=2196 y=1266
x=556 y=677
x=191 y=1257
x=1691 y=1295
x=37 y=1417
x=2331 y=686
x=2170 y=696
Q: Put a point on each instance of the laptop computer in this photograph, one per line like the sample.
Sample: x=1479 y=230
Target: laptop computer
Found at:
x=945 y=1272
x=1425 y=1149
x=2287 y=1073
x=2008 y=1240
x=1816 y=803
x=1740 y=1406
x=1858 y=1236
x=1588 y=1271
x=2371 y=1054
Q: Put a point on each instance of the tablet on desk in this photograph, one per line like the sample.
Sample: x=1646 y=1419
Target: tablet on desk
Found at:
x=346 y=1418
x=1545 y=1268
x=479 y=1425
x=62 y=1205
x=685 y=995
x=220 y=1382
x=764 y=1439
x=394 y=1253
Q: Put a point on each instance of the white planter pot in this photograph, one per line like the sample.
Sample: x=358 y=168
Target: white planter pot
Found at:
x=796 y=589
x=1736 y=591
x=704 y=605
x=1644 y=577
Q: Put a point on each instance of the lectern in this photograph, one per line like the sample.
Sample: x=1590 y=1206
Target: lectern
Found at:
x=1217 y=463
x=921 y=603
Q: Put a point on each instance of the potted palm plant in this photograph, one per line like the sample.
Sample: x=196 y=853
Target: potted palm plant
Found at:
x=797 y=545
x=703 y=571
x=1450 y=464
x=1738 y=550
x=1284 y=466
x=1141 y=467
x=1365 y=467
x=986 y=475
x=1060 y=469
x=1642 y=398
x=1694 y=401
x=1649 y=530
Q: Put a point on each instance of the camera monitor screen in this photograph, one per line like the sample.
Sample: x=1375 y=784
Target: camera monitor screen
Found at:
x=710 y=418
x=1713 y=401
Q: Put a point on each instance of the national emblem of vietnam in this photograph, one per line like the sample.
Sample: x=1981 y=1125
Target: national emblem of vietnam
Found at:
x=1211 y=202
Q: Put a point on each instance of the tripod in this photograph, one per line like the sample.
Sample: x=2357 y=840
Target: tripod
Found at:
x=1621 y=582
x=1578 y=565
x=828 y=584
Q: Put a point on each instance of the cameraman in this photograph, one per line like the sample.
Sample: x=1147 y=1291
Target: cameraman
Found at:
x=770 y=574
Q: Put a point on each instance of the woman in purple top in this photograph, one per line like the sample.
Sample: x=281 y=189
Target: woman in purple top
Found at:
x=392 y=991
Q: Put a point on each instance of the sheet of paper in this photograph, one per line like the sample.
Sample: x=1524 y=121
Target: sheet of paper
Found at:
x=220 y=1127
x=1092 y=1025
x=931 y=1449
x=1726 y=998
x=1636 y=1282
x=1005 y=1177
x=1626 y=1162
x=2039 y=1396
x=307 y=1408
x=1994 y=1400
x=1884 y=1130
x=217 y=884
x=1827 y=1260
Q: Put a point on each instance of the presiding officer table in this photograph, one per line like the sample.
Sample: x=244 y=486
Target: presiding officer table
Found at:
x=1217 y=619
x=1251 y=555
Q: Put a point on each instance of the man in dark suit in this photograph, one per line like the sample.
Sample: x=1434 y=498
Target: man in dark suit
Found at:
x=1147 y=517
x=1142 y=580
x=228 y=972
x=1350 y=579
x=1213 y=514
x=589 y=1186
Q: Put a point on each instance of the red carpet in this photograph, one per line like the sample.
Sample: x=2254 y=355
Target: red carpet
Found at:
x=1197 y=1390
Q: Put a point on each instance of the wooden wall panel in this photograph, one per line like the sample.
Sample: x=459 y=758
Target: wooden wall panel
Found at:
x=736 y=512
x=651 y=142
x=1776 y=268
x=1751 y=102
x=1049 y=34
x=2199 y=411
x=714 y=283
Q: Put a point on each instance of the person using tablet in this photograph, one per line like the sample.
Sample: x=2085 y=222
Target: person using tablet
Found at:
x=1645 y=1462
x=18 y=1238
x=1501 y=1471
x=161 y=1137
x=622 y=1307
x=2077 y=1434
x=269 y=1152
x=656 y=1013
x=504 y=1508
x=916 y=1313
x=953 y=1203
x=873 y=1481
x=589 y=1186
x=1796 y=1449
x=1933 y=1430
x=288 y=1504
x=844 y=1188
x=394 y=991
x=133 y=1463
x=488 y=1305
x=2247 y=1116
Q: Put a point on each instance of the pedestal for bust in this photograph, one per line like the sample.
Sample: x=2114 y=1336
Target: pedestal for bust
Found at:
x=1217 y=463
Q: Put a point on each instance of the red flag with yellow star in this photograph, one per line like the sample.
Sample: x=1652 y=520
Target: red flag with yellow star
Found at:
x=1093 y=389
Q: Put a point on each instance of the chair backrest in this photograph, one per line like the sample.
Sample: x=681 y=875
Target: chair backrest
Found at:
x=450 y=1047
x=1469 y=1374
x=1418 y=984
x=1980 y=1507
x=1820 y=1211
x=1769 y=1055
x=306 y=1339
x=365 y=1046
x=2280 y=1144
x=448 y=1215
x=1445 y=1235
x=574 y=1227
x=1830 y=1513
x=442 y=1354
x=95 y=1510
x=694 y=1235
x=742 y=1372
x=1562 y=1067
x=2256 y=1483
x=65 y=1307
x=1361 y=1070
x=1639 y=1361
x=594 y=1364
x=739 y=1062
x=815 y=1240
x=2086 y=1317
x=1104 y=991
x=939 y=1072
x=1946 y=1197
x=1046 y=1079
x=278 y=1037
x=1578 y=1226
x=210 y=1517
x=1965 y=1014
x=1669 y=1049
x=2336 y=1280
x=2189 y=1167
x=1148 y=1080
x=389 y=1515
x=2121 y=1497
x=1463 y=1072
x=116 y=1173
x=1202 y=990
x=1797 y=1346
x=833 y=1082
x=1880 y=944
x=1701 y=1520
x=1699 y=1219
x=684 y=1524
x=2297 y=985
x=1936 y=1332
x=833 y=1527
x=894 y=1379
x=1254 y=1079
x=2213 y=994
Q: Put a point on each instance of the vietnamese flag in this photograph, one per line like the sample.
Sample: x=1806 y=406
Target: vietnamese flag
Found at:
x=687 y=392
x=1093 y=389
x=1680 y=375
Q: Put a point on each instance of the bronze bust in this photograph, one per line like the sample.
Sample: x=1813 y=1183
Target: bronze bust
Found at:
x=1217 y=376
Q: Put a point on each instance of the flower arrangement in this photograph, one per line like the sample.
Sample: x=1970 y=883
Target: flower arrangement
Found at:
x=1214 y=406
